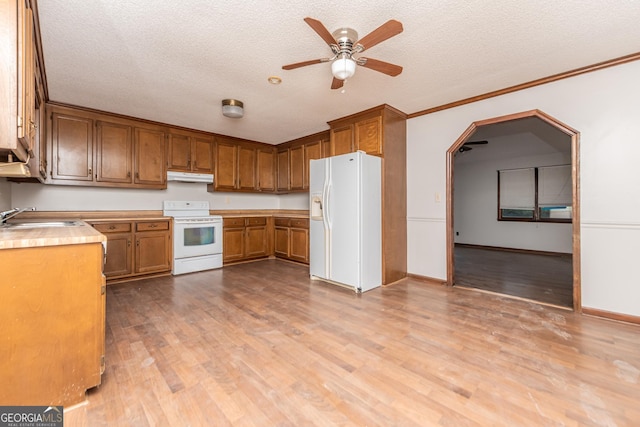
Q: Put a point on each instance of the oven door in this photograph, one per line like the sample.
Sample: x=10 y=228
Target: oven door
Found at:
x=196 y=238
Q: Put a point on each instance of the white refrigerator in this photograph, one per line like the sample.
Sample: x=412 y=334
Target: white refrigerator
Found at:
x=345 y=213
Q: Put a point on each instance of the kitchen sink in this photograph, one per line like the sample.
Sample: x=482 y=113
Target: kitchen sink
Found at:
x=43 y=224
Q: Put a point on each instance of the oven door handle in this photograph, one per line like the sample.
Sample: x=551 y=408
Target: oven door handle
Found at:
x=183 y=221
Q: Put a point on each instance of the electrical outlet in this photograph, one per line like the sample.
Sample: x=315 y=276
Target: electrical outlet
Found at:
x=437 y=197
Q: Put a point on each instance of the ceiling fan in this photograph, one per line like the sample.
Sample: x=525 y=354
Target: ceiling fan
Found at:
x=466 y=145
x=344 y=44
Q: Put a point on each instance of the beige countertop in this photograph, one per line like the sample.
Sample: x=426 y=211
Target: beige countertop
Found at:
x=13 y=238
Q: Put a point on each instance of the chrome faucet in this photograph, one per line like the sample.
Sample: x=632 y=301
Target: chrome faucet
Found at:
x=6 y=215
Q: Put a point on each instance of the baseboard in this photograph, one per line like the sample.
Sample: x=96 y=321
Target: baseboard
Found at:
x=427 y=279
x=136 y=278
x=620 y=317
x=524 y=251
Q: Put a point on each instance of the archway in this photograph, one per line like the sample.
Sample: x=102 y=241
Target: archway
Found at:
x=575 y=227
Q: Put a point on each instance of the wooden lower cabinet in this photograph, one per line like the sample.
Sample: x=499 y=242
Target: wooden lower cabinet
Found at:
x=245 y=238
x=53 y=323
x=136 y=248
x=291 y=239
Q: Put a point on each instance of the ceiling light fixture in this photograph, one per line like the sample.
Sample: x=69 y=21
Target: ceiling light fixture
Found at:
x=274 y=80
x=343 y=67
x=232 y=108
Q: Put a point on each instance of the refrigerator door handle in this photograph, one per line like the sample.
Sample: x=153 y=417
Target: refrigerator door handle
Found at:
x=327 y=228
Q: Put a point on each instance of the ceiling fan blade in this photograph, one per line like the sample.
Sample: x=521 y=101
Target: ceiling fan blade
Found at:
x=381 y=66
x=476 y=142
x=322 y=31
x=383 y=32
x=336 y=83
x=303 y=64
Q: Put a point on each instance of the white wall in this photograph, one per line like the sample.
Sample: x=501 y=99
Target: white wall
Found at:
x=476 y=195
x=604 y=107
x=74 y=198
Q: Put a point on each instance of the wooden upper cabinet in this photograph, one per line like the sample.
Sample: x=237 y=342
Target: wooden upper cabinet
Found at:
x=246 y=168
x=179 y=149
x=341 y=140
x=190 y=153
x=226 y=164
x=296 y=168
x=358 y=132
x=368 y=135
x=283 y=170
x=99 y=149
x=114 y=152
x=266 y=169
x=312 y=151
x=202 y=153
x=18 y=122
x=149 y=157
x=72 y=147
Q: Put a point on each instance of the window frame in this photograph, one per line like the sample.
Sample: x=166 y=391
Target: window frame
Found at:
x=536 y=217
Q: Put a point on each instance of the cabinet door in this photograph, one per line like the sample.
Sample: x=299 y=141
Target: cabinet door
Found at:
x=119 y=259
x=202 y=154
x=226 y=162
x=281 y=242
x=246 y=168
x=26 y=80
x=233 y=244
x=153 y=252
x=312 y=151
x=179 y=153
x=256 y=241
x=299 y=244
x=119 y=255
x=150 y=158
x=113 y=152
x=341 y=140
x=368 y=136
x=72 y=147
x=283 y=170
x=296 y=168
x=266 y=169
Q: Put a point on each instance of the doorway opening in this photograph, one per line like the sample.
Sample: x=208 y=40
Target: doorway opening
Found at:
x=494 y=243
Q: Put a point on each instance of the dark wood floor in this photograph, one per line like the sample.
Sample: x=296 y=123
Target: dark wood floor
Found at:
x=261 y=345
x=538 y=277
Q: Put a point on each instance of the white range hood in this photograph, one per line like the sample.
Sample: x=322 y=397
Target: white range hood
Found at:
x=190 y=177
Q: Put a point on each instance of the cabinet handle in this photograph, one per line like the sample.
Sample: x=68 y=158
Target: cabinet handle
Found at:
x=137 y=242
x=153 y=225
x=90 y=171
x=129 y=174
x=128 y=243
x=112 y=227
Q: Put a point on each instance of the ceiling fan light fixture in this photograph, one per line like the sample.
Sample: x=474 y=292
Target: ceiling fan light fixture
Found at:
x=232 y=108
x=343 y=68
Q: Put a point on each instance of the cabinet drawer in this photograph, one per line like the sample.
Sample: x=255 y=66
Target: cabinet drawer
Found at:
x=282 y=222
x=257 y=221
x=300 y=222
x=152 y=226
x=113 y=227
x=233 y=222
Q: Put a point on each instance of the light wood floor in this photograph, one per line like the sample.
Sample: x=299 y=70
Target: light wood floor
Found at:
x=539 y=277
x=261 y=345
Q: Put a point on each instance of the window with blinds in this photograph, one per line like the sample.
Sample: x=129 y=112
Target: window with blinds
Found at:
x=535 y=194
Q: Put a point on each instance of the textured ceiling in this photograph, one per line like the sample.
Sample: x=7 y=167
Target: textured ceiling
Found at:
x=174 y=61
